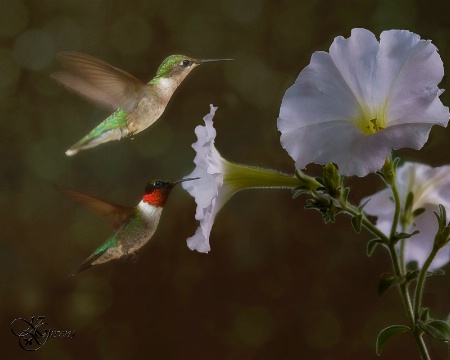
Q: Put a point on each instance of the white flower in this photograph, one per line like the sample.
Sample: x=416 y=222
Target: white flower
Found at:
x=219 y=180
x=430 y=187
x=355 y=104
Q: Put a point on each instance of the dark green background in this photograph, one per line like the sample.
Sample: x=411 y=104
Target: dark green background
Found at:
x=278 y=283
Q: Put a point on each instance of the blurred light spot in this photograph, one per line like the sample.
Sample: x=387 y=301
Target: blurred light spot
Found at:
x=34 y=49
x=9 y=69
x=30 y=299
x=44 y=85
x=400 y=14
x=253 y=325
x=41 y=162
x=130 y=35
x=376 y=321
x=92 y=297
x=157 y=143
x=68 y=34
x=198 y=34
x=254 y=80
x=323 y=330
x=243 y=12
x=13 y=17
x=294 y=42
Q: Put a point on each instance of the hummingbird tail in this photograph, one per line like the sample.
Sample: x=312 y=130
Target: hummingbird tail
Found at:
x=87 y=263
x=112 y=128
x=72 y=151
x=92 y=140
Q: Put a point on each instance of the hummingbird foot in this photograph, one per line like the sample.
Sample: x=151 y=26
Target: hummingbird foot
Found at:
x=130 y=257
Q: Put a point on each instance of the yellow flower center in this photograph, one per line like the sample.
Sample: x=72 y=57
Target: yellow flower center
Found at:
x=370 y=121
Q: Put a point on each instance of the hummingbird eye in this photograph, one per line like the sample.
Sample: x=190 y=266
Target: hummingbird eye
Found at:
x=158 y=183
x=186 y=62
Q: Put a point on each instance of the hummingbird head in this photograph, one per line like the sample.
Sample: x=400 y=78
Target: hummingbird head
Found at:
x=179 y=66
x=157 y=191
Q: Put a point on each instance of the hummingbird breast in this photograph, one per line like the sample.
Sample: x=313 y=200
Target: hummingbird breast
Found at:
x=151 y=106
x=139 y=229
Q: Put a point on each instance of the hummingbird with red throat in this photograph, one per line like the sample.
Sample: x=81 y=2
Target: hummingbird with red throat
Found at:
x=134 y=226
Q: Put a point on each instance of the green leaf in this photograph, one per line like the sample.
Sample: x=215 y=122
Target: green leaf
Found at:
x=372 y=245
x=418 y=212
x=363 y=205
x=299 y=190
x=404 y=235
x=414 y=274
x=396 y=162
x=425 y=314
x=319 y=180
x=409 y=202
x=386 y=282
x=437 y=329
x=387 y=333
x=332 y=181
x=357 y=222
x=345 y=195
x=437 y=272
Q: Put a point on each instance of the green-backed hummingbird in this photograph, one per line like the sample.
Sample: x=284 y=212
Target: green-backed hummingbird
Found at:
x=134 y=226
x=136 y=105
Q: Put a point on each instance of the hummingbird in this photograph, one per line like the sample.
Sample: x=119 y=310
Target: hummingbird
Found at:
x=134 y=226
x=136 y=105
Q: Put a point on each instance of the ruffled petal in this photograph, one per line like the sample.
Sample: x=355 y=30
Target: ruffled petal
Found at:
x=319 y=95
x=408 y=72
x=430 y=187
x=207 y=190
x=355 y=59
x=338 y=142
x=419 y=246
x=327 y=115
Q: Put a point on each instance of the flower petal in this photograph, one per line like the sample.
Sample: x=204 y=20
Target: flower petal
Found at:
x=409 y=70
x=430 y=187
x=320 y=94
x=419 y=246
x=326 y=115
x=355 y=59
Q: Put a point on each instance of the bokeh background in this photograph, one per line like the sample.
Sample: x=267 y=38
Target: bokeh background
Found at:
x=278 y=283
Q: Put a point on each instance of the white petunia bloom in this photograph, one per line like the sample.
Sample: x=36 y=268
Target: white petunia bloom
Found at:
x=355 y=104
x=219 y=179
x=430 y=187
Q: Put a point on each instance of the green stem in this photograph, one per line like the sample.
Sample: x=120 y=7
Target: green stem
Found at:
x=239 y=177
x=397 y=264
x=352 y=210
x=402 y=255
x=406 y=300
x=398 y=206
x=400 y=269
x=403 y=289
x=418 y=295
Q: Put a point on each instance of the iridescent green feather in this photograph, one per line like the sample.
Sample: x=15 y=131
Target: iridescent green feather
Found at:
x=167 y=66
x=118 y=119
x=111 y=242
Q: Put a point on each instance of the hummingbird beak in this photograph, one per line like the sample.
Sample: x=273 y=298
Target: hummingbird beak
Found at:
x=211 y=60
x=183 y=180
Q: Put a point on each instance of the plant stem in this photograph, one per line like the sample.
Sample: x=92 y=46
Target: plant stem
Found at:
x=418 y=295
x=398 y=266
x=406 y=299
x=393 y=185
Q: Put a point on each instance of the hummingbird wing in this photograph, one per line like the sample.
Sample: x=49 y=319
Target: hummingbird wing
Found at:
x=117 y=214
x=98 y=81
